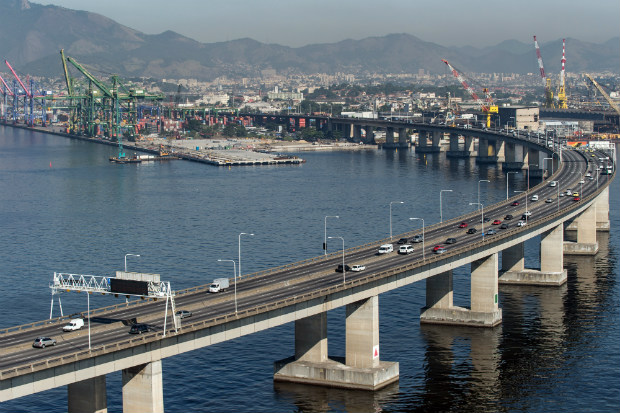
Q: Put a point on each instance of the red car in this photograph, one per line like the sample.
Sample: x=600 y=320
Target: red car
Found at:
x=437 y=247
x=576 y=198
x=463 y=224
x=497 y=222
x=515 y=203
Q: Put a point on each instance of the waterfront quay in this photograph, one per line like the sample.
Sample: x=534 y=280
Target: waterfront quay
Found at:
x=216 y=152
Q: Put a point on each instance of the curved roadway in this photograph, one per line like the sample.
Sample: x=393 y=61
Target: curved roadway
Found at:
x=293 y=280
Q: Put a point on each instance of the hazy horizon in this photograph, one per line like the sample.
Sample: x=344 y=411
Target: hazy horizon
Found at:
x=449 y=23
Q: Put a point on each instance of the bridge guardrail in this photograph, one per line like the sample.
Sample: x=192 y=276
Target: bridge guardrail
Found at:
x=147 y=338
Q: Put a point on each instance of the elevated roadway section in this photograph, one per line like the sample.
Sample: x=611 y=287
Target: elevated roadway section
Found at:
x=303 y=292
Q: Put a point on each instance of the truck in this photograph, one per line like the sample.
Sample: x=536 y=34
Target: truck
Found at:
x=219 y=284
x=74 y=324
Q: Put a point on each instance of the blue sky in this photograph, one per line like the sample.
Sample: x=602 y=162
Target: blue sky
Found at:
x=297 y=23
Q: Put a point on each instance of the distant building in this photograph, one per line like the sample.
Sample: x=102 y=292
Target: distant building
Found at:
x=520 y=117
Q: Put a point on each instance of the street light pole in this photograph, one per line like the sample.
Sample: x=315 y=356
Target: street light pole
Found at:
x=88 y=315
x=393 y=202
x=440 y=205
x=129 y=255
x=344 y=268
x=482 y=180
x=482 y=217
x=421 y=219
x=235 y=276
x=325 y=237
x=239 y=257
x=507 y=173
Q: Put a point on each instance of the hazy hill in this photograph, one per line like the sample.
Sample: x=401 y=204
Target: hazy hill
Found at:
x=33 y=34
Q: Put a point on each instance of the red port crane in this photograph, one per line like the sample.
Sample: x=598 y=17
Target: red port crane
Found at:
x=546 y=81
x=488 y=107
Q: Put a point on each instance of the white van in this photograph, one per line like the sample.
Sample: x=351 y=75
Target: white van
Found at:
x=74 y=324
x=405 y=249
x=386 y=248
x=534 y=198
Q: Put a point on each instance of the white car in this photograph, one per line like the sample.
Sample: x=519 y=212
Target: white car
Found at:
x=386 y=248
x=521 y=223
x=553 y=183
x=358 y=267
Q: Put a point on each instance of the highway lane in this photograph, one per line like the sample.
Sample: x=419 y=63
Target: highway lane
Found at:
x=259 y=290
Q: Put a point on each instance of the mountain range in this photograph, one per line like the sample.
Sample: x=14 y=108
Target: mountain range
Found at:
x=33 y=34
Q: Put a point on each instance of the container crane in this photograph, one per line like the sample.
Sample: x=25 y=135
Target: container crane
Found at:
x=609 y=100
x=27 y=94
x=562 y=90
x=549 y=103
x=489 y=107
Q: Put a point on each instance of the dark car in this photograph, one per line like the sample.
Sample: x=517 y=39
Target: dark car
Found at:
x=508 y=217
x=485 y=219
x=451 y=241
x=42 y=342
x=183 y=314
x=472 y=231
x=503 y=226
x=346 y=268
x=515 y=203
x=402 y=241
x=139 y=329
x=524 y=217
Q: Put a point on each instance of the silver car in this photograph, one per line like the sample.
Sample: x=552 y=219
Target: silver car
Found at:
x=42 y=342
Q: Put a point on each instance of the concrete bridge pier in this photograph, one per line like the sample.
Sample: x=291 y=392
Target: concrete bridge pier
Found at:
x=423 y=146
x=357 y=133
x=370 y=135
x=513 y=157
x=490 y=151
x=361 y=368
x=143 y=388
x=455 y=147
x=602 y=211
x=586 y=234
x=551 y=273
x=87 y=396
x=403 y=142
x=484 y=310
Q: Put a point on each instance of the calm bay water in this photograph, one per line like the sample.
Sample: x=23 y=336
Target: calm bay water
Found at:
x=64 y=207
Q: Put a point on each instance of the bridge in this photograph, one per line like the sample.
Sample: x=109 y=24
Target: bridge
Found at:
x=304 y=292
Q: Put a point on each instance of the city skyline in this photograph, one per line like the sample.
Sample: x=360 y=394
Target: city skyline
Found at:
x=448 y=23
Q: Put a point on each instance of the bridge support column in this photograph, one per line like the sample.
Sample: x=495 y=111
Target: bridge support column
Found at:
x=484 y=311
x=360 y=369
x=87 y=396
x=455 y=149
x=143 y=388
x=424 y=147
x=357 y=133
x=486 y=152
x=389 y=138
x=586 y=234
x=602 y=211
x=370 y=135
x=403 y=142
x=551 y=273
x=514 y=157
